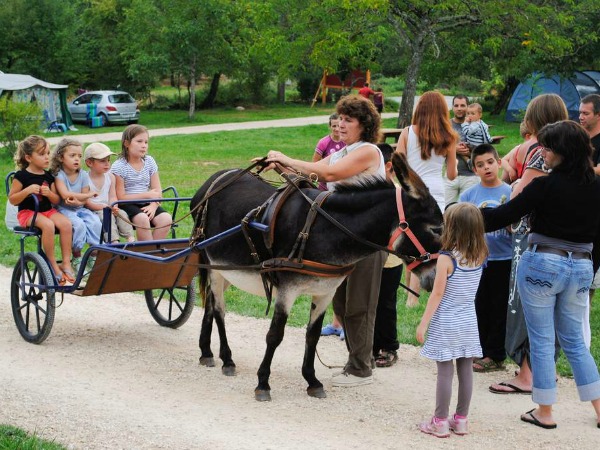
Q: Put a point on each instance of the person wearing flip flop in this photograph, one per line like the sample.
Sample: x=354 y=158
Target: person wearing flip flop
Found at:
x=542 y=110
x=33 y=159
x=385 y=334
x=556 y=271
x=491 y=300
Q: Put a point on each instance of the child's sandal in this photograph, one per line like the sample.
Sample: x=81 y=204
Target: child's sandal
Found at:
x=68 y=276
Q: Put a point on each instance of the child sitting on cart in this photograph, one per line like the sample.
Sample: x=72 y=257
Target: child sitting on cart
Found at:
x=32 y=178
x=102 y=182
x=136 y=176
x=73 y=186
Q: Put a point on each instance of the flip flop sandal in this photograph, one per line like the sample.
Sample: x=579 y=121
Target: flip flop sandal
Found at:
x=530 y=418
x=386 y=359
x=514 y=389
x=487 y=366
x=60 y=279
x=68 y=276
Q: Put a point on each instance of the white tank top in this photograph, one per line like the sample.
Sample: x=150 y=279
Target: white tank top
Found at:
x=360 y=178
x=102 y=192
x=429 y=170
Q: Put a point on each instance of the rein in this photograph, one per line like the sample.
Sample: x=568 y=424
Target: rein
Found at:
x=403 y=227
x=210 y=193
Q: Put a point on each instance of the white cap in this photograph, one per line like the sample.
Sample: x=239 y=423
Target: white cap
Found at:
x=97 y=150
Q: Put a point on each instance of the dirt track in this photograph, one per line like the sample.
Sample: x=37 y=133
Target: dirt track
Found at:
x=109 y=377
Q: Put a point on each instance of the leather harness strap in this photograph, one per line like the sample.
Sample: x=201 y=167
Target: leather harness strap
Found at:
x=404 y=227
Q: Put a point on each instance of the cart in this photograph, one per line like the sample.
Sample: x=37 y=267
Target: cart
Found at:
x=164 y=270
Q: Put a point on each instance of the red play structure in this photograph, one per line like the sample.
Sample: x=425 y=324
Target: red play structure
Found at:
x=355 y=79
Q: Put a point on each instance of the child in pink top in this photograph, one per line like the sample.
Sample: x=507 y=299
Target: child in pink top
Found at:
x=329 y=144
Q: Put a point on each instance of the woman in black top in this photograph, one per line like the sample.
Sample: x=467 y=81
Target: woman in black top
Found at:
x=555 y=272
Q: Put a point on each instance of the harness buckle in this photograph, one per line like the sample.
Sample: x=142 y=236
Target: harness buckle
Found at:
x=403 y=225
x=425 y=257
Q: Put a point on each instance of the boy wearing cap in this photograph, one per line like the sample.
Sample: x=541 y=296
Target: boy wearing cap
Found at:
x=102 y=181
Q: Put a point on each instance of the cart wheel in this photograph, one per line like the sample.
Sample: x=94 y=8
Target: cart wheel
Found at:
x=172 y=307
x=33 y=300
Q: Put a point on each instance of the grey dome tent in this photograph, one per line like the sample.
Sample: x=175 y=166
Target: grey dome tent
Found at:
x=51 y=98
x=571 y=90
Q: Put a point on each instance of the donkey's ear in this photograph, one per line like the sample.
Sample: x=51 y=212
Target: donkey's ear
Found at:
x=408 y=178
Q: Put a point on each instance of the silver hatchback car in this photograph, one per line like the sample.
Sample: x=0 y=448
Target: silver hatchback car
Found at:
x=110 y=106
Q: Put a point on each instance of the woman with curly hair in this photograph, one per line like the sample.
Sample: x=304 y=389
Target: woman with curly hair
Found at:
x=360 y=162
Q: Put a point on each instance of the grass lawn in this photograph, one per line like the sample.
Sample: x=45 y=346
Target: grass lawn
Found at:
x=153 y=119
x=186 y=161
x=12 y=438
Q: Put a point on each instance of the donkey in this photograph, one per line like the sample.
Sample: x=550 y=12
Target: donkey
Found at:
x=369 y=212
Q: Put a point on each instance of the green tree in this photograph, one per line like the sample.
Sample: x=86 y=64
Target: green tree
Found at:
x=37 y=39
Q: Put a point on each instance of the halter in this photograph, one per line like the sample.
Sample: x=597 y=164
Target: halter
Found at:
x=404 y=227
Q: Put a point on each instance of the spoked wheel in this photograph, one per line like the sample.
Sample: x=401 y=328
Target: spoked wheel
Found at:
x=32 y=297
x=172 y=307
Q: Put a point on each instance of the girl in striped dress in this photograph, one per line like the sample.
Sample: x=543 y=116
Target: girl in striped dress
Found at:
x=449 y=318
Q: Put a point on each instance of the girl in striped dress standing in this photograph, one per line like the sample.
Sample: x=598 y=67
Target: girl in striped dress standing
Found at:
x=449 y=318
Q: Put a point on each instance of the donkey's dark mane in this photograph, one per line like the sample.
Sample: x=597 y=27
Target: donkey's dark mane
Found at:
x=370 y=184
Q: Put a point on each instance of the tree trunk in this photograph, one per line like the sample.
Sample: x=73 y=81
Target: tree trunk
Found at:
x=192 y=82
x=281 y=92
x=502 y=101
x=209 y=100
x=410 y=83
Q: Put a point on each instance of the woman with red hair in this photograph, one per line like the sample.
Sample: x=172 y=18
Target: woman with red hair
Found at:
x=428 y=143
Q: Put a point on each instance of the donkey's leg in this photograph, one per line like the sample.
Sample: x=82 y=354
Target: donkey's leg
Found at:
x=219 y=285
x=224 y=350
x=281 y=312
x=206 y=355
x=313 y=333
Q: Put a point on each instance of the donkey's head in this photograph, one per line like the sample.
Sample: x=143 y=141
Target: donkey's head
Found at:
x=423 y=217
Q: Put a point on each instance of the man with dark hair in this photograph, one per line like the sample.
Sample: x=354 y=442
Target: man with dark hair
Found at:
x=465 y=178
x=589 y=117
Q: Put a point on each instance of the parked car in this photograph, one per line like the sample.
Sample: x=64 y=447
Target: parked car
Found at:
x=110 y=106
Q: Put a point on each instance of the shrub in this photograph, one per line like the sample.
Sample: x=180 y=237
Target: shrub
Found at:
x=17 y=121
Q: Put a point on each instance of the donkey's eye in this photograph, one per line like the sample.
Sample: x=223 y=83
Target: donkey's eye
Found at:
x=437 y=230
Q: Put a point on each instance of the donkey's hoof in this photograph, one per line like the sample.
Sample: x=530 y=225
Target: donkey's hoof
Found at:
x=316 y=392
x=228 y=370
x=207 y=361
x=262 y=395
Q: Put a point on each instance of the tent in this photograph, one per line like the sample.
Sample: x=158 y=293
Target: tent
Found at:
x=52 y=98
x=571 y=89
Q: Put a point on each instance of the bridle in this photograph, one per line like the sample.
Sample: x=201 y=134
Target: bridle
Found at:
x=404 y=227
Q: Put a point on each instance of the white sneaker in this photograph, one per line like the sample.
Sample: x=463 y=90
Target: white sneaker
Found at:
x=346 y=379
x=436 y=427
x=459 y=426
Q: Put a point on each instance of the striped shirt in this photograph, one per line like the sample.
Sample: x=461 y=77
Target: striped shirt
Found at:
x=476 y=133
x=135 y=181
x=453 y=329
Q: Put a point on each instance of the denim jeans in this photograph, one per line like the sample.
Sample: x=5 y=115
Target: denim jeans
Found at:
x=554 y=292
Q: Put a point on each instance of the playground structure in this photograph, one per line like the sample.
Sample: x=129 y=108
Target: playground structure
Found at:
x=354 y=79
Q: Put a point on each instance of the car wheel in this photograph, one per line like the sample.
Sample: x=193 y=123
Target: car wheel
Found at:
x=104 y=119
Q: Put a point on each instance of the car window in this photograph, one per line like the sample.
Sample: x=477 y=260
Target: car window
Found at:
x=121 y=98
x=85 y=98
x=96 y=98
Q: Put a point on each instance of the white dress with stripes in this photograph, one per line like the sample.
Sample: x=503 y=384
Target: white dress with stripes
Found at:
x=453 y=329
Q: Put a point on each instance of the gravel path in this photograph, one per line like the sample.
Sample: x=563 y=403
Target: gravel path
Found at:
x=109 y=377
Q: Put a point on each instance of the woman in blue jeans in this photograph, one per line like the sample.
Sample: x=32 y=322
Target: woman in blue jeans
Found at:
x=555 y=272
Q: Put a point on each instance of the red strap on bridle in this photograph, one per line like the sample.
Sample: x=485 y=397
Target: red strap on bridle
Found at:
x=404 y=227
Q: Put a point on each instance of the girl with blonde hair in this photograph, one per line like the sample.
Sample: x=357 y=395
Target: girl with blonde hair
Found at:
x=449 y=318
